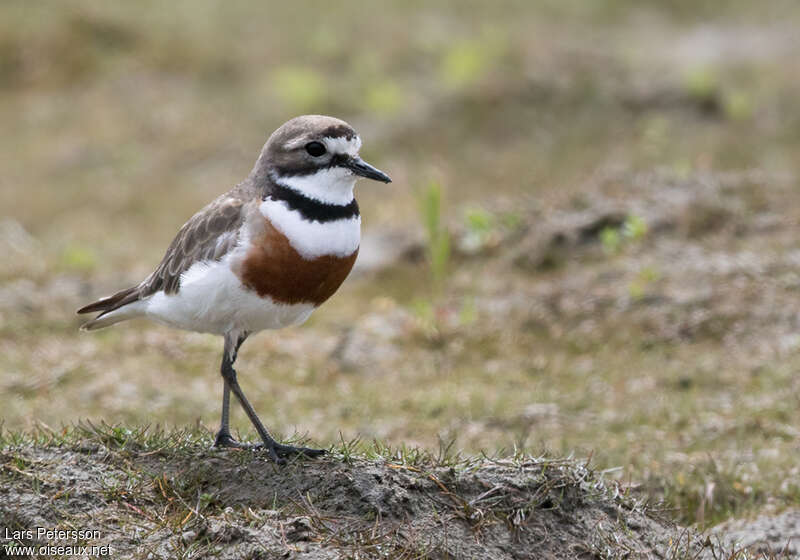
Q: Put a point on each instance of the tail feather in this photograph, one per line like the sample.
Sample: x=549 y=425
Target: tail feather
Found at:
x=109 y=318
x=110 y=303
x=115 y=308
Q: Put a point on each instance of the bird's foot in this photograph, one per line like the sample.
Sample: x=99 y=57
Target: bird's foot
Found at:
x=278 y=452
x=225 y=440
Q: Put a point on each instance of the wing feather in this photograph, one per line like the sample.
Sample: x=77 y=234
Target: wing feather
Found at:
x=197 y=241
x=208 y=235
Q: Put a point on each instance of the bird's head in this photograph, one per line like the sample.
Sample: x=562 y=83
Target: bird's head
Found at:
x=316 y=156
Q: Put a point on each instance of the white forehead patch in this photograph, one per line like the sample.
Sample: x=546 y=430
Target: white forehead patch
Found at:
x=342 y=145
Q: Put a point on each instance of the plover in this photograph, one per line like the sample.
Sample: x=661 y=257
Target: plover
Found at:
x=264 y=255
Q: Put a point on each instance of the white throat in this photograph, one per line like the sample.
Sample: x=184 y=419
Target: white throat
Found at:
x=338 y=238
x=333 y=185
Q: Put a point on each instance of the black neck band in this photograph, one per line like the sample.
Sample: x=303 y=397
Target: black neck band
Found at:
x=311 y=209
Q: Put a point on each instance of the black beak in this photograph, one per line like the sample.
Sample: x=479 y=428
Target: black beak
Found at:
x=361 y=167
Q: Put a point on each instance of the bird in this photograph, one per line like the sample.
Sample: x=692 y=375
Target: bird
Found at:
x=264 y=255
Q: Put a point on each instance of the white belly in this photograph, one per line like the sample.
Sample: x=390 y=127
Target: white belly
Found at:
x=211 y=299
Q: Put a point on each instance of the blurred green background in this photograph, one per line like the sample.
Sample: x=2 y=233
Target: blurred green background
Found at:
x=662 y=343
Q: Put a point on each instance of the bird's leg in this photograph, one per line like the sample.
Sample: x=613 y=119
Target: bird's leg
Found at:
x=224 y=438
x=276 y=450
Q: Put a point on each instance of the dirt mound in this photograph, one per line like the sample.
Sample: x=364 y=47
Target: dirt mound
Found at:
x=175 y=498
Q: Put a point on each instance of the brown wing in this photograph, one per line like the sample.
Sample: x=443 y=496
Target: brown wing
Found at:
x=208 y=235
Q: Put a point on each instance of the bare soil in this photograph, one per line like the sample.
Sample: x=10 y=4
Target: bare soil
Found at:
x=767 y=534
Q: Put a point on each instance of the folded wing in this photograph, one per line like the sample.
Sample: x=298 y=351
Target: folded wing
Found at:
x=207 y=236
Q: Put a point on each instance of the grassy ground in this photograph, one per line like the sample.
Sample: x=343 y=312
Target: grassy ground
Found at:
x=663 y=343
x=153 y=494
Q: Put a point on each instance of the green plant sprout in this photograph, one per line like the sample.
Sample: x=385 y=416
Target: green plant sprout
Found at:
x=438 y=240
x=632 y=230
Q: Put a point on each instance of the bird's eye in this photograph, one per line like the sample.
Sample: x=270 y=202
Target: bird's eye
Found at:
x=315 y=149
